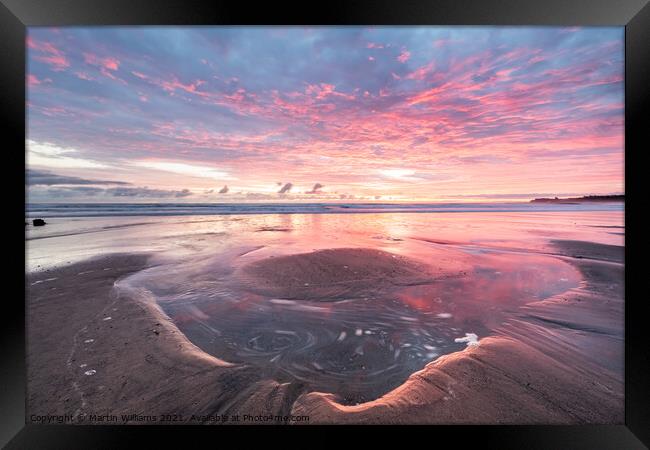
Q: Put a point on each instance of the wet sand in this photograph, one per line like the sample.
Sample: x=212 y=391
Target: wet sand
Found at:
x=92 y=351
x=327 y=274
x=559 y=362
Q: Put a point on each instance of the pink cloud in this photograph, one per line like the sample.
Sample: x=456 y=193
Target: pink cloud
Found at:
x=106 y=66
x=58 y=63
x=174 y=84
x=111 y=63
x=83 y=76
x=42 y=46
x=473 y=117
x=53 y=111
x=32 y=80
x=49 y=54
x=404 y=56
x=324 y=90
x=240 y=101
x=421 y=72
x=107 y=63
x=171 y=86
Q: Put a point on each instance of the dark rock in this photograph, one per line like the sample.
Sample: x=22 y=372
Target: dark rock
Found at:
x=38 y=222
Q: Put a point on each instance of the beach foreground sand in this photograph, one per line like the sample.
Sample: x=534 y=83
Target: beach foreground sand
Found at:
x=332 y=273
x=103 y=357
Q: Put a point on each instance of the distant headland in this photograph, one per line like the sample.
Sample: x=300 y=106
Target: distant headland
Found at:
x=586 y=198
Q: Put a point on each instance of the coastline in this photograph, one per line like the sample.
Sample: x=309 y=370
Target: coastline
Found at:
x=144 y=365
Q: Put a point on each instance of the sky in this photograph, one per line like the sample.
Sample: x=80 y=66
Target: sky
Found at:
x=324 y=114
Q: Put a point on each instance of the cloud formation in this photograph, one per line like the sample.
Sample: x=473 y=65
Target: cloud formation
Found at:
x=146 y=192
x=41 y=177
x=316 y=189
x=408 y=113
x=113 y=193
x=223 y=190
x=286 y=188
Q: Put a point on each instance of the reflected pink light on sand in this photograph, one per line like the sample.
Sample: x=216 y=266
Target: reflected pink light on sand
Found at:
x=495 y=283
x=357 y=346
x=523 y=232
x=485 y=266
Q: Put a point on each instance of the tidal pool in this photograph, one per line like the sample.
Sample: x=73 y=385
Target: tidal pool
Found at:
x=359 y=344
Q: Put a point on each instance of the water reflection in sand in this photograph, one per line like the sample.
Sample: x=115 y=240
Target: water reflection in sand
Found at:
x=71 y=240
x=358 y=347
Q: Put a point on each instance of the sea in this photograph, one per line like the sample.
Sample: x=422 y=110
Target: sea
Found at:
x=44 y=210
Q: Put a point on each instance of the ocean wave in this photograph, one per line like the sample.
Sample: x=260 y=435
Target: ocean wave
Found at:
x=184 y=209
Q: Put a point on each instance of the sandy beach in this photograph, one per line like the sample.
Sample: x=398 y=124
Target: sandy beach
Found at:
x=106 y=355
x=547 y=366
x=332 y=274
x=125 y=357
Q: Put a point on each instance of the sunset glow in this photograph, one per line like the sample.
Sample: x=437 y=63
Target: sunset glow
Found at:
x=220 y=114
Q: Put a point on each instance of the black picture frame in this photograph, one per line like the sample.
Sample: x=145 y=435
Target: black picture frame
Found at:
x=16 y=15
